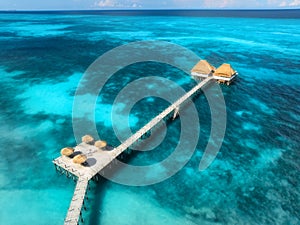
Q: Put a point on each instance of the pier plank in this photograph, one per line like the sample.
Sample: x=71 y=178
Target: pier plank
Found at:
x=98 y=159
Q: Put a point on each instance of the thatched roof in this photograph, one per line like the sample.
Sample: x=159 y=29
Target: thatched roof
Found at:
x=225 y=70
x=100 y=144
x=67 y=151
x=87 y=139
x=79 y=159
x=203 y=67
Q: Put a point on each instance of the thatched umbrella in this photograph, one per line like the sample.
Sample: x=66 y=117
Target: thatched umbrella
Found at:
x=67 y=151
x=100 y=144
x=87 y=139
x=79 y=159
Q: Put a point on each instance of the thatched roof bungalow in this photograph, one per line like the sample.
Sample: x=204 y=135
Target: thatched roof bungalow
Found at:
x=202 y=69
x=225 y=73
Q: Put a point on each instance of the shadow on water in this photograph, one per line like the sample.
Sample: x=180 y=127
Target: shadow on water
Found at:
x=128 y=155
x=95 y=203
x=99 y=187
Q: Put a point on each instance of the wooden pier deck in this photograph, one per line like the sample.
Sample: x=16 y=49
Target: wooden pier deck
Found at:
x=158 y=118
x=98 y=159
x=74 y=212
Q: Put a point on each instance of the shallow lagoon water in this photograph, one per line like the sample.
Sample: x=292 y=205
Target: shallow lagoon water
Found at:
x=255 y=178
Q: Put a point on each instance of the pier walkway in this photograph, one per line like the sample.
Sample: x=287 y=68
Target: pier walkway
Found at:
x=74 y=212
x=160 y=117
x=98 y=159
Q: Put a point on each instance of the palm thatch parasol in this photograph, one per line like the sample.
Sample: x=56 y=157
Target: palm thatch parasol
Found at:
x=67 y=151
x=79 y=159
x=100 y=144
x=87 y=139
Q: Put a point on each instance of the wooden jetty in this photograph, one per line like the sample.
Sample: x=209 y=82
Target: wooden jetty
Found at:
x=74 y=212
x=98 y=159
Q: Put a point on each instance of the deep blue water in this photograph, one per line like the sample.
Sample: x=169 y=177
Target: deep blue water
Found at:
x=255 y=178
x=255 y=13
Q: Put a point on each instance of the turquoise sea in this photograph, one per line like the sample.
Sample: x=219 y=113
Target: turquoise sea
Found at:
x=255 y=178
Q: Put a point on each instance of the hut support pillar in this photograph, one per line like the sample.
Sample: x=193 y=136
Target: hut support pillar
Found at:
x=176 y=112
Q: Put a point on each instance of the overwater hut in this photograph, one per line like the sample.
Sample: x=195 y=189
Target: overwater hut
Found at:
x=79 y=159
x=202 y=69
x=67 y=151
x=225 y=74
x=87 y=139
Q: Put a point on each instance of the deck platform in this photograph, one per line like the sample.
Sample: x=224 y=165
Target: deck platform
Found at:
x=98 y=159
